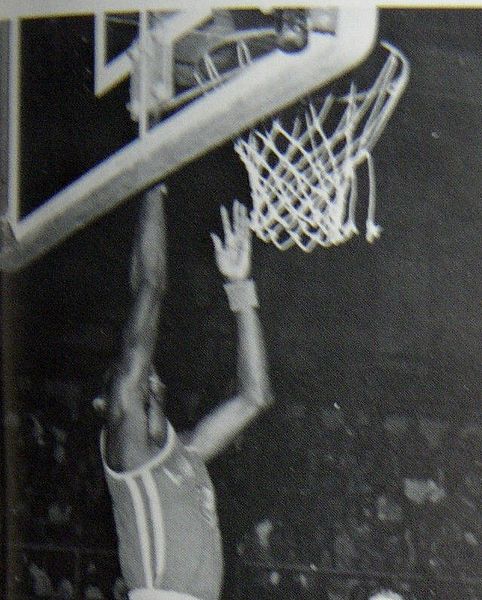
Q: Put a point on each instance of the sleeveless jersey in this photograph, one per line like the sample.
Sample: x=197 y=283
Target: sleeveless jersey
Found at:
x=166 y=521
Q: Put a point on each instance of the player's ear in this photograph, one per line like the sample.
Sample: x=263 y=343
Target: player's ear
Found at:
x=99 y=404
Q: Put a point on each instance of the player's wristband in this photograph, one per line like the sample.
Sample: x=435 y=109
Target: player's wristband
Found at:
x=241 y=295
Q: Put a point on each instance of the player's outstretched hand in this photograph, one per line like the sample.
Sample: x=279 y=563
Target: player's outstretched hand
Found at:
x=233 y=257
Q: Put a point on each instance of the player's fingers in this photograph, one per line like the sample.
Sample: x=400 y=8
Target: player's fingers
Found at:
x=244 y=217
x=237 y=214
x=243 y=213
x=240 y=217
x=218 y=245
x=247 y=233
x=246 y=221
x=226 y=221
x=235 y=219
x=247 y=248
x=244 y=230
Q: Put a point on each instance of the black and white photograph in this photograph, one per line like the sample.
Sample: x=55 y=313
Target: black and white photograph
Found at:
x=240 y=300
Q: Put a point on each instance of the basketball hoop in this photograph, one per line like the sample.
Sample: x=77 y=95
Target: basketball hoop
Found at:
x=304 y=181
x=199 y=76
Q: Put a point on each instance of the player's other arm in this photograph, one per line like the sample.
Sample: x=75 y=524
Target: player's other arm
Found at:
x=233 y=257
x=129 y=439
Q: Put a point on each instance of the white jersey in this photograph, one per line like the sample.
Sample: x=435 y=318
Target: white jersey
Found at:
x=167 y=526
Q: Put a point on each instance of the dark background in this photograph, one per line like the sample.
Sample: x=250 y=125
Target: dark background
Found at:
x=383 y=331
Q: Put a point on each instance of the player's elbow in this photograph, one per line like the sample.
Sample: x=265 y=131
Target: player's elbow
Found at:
x=267 y=397
x=259 y=396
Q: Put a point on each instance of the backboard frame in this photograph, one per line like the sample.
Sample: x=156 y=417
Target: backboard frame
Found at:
x=162 y=149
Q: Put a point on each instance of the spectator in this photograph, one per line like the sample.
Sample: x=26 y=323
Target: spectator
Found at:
x=256 y=545
x=345 y=551
x=41 y=582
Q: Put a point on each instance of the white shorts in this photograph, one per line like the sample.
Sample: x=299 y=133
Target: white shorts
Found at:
x=150 y=594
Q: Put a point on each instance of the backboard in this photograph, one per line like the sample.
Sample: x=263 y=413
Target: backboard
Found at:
x=173 y=79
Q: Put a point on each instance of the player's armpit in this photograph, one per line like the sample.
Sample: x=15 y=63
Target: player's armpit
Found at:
x=133 y=439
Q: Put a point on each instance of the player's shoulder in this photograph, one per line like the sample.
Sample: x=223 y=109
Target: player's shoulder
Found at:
x=156 y=458
x=184 y=437
x=189 y=448
x=187 y=441
x=183 y=443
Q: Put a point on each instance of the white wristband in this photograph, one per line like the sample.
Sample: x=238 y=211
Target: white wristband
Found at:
x=241 y=295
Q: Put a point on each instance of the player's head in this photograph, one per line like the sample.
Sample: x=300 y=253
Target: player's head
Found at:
x=155 y=392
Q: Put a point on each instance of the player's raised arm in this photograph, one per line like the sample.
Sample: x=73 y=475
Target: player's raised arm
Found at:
x=233 y=257
x=129 y=428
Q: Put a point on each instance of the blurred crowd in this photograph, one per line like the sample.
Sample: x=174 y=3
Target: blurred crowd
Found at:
x=380 y=496
x=356 y=503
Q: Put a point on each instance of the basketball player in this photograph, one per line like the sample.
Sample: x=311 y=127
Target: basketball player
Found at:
x=163 y=498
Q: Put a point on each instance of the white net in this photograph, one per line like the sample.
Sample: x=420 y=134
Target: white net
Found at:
x=304 y=181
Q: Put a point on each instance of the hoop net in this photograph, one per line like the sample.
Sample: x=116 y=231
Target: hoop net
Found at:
x=304 y=181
